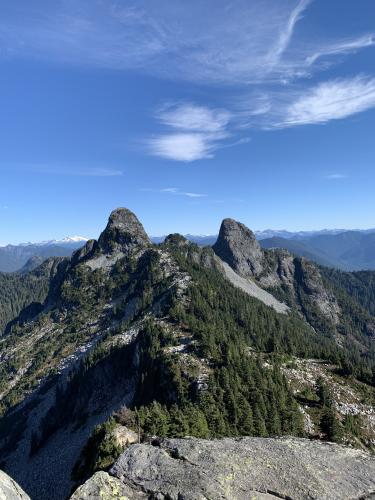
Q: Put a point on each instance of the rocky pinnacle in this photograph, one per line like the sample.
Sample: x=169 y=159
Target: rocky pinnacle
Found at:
x=123 y=230
x=237 y=246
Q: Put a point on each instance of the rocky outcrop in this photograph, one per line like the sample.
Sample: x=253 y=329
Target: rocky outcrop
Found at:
x=237 y=246
x=84 y=252
x=123 y=231
x=309 y=279
x=10 y=490
x=243 y=468
x=274 y=269
x=123 y=235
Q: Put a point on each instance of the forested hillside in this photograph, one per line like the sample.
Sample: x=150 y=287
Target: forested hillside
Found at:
x=164 y=340
x=19 y=290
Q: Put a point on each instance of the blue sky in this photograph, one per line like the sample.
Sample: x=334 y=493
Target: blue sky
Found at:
x=186 y=112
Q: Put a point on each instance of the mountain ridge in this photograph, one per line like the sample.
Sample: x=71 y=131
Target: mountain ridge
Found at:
x=314 y=245
x=163 y=331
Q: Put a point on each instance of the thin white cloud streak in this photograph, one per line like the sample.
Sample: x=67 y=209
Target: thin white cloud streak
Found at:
x=287 y=33
x=182 y=193
x=177 y=192
x=80 y=172
x=343 y=47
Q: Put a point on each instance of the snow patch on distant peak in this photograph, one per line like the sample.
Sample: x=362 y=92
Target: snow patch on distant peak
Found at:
x=72 y=239
x=68 y=240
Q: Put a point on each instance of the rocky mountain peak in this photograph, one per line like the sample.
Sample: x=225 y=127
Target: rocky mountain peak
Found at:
x=123 y=230
x=238 y=246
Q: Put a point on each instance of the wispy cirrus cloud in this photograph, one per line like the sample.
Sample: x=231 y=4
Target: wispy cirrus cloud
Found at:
x=331 y=100
x=209 y=42
x=252 y=48
x=286 y=34
x=197 y=132
x=176 y=192
x=342 y=47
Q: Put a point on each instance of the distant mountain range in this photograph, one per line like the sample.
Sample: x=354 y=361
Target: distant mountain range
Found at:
x=349 y=250
x=15 y=257
x=302 y=235
x=338 y=248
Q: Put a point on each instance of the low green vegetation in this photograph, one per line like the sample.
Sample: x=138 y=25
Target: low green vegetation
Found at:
x=99 y=453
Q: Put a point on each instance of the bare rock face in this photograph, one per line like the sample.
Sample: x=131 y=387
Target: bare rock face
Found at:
x=270 y=269
x=104 y=487
x=237 y=246
x=10 y=490
x=84 y=252
x=242 y=469
x=310 y=280
x=123 y=231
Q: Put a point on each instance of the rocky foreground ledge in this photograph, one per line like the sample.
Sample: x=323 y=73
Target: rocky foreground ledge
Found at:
x=10 y=490
x=243 y=469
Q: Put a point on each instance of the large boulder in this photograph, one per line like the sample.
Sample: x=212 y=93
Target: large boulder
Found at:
x=10 y=490
x=243 y=468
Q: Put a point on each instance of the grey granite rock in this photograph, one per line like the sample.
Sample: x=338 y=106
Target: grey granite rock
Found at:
x=123 y=231
x=10 y=490
x=105 y=487
x=237 y=246
x=241 y=469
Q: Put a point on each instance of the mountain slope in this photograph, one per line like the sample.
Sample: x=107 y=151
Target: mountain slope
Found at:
x=302 y=249
x=162 y=331
x=29 y=289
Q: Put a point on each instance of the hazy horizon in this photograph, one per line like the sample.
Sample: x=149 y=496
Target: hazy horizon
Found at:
x=196 y=234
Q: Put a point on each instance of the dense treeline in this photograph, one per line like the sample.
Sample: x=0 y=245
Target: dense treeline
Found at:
x=240 y=397
x=360 y=285
x=18 y=291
